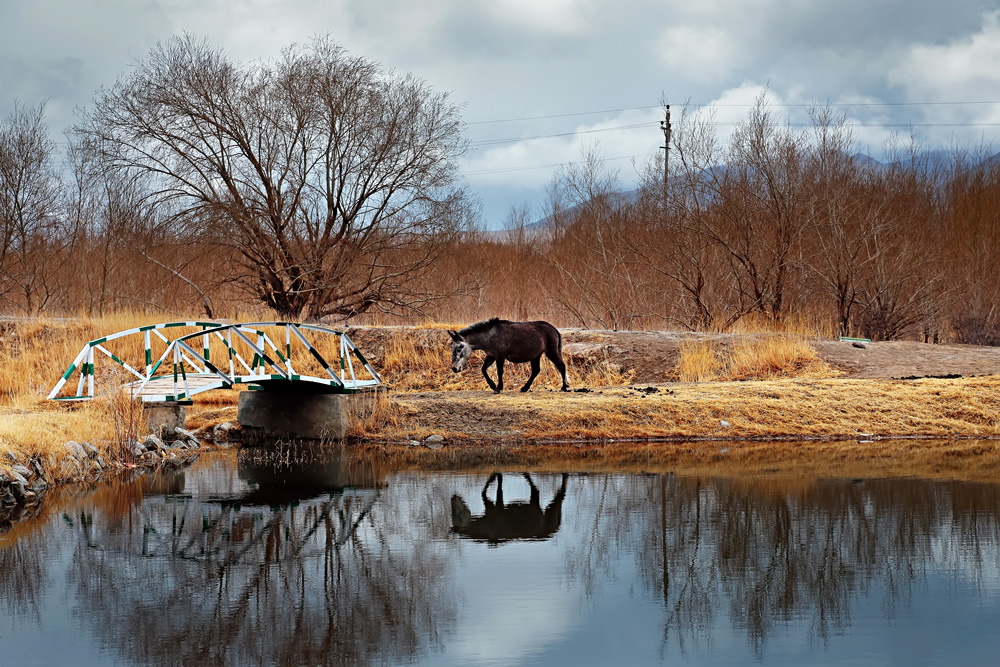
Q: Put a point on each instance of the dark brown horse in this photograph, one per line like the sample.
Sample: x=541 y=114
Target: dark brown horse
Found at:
x=507 y=522
x=502 y=341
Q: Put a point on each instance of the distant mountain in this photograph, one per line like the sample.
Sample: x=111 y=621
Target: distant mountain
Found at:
x=992 y=161
x=630 y=196
x=938 y=159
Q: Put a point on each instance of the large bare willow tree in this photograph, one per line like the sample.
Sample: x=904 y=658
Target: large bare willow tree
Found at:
x=330 y=182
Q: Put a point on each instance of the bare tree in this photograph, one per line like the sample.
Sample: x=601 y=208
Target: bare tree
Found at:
x=902 y=286
x=599 y=280
x=33 y=234
x=852 y=209
x=332 y=181
x=762 y=209
x=972 y=217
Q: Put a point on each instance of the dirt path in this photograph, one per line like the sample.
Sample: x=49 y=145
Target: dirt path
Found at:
x=907 y=359
x=654 y=353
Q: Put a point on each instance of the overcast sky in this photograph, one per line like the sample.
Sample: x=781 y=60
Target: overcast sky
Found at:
x=596 y=69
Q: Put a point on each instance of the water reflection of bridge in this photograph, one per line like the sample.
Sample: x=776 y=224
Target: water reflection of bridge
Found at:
x=297 y=509
x=282 y=560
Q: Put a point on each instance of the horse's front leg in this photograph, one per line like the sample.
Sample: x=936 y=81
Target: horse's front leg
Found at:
x=486 y=364
x=536 y=366
x=499 y=386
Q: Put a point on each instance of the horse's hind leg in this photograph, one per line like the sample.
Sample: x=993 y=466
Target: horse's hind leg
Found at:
x=499 y=386
x=495 y=476
x=486 y=364
x=560 y=366
x=536 y=365
x=535 y=496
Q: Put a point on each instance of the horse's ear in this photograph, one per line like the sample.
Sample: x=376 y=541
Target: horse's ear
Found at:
x=454 y=335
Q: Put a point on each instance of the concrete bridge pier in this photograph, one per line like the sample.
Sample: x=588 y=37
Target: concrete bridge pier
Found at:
x=294 y=415
x=163 y=417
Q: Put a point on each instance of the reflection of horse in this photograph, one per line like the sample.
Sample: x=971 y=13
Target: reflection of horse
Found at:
x=514 y=521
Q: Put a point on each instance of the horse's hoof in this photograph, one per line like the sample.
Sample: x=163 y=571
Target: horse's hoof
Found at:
x=565 y=388
x=524 y=390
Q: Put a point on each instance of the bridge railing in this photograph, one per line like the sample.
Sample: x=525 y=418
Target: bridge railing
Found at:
x=246 y=353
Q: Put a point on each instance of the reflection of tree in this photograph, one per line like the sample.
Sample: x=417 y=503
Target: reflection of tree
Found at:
x=315 y=581
x=23 y=576
x=770 y=557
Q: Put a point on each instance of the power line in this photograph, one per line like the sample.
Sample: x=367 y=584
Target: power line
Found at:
x=716 y=123
x=560 y=115
x=504 y=170
x=802 y=105
x=489 y=142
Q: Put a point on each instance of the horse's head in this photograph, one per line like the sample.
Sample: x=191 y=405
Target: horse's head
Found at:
x=461 y=351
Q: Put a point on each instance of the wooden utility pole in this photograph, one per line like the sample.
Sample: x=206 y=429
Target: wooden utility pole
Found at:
x=665 y=126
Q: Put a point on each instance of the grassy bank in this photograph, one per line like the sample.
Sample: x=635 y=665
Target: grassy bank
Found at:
x=786 y=408
x=759 y=386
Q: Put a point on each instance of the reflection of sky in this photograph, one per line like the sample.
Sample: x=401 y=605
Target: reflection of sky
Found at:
x=511 y=611
x=521 y=617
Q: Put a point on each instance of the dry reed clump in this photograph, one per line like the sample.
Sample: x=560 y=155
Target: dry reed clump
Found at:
x=123 y=410
x=797 y=324
x=755 y=357
x=372 y=411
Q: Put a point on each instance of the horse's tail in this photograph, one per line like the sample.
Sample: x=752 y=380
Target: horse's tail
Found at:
x=460 y=514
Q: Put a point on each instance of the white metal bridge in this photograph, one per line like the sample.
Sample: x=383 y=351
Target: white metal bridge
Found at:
x=203 y=356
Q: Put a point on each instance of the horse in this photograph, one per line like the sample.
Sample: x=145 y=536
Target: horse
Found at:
x=512 y=521
x=502 y=341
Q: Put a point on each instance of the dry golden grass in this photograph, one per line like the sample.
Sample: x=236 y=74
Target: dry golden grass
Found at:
x=753 y=357
x=786 y=408
x=699 y=361
x=372 y=411
x=45 y=428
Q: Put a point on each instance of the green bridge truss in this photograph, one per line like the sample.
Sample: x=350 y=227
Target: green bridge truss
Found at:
x=186 y=366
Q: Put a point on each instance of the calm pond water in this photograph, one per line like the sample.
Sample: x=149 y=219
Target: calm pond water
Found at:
x=265 y=562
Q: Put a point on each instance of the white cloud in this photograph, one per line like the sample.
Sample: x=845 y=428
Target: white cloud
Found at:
x=966 y=69
x=698 y=52
x=963 y=68
x=557 y=16
x=511 y=613
x=532 y=162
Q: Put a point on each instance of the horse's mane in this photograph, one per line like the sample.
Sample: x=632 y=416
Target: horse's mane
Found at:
x=481 y=326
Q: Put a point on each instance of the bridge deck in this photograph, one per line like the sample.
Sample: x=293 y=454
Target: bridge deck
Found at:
x=165 y=386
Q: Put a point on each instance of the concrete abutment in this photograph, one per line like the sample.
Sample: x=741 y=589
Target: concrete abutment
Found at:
x=294 y=415
x=163 y=418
